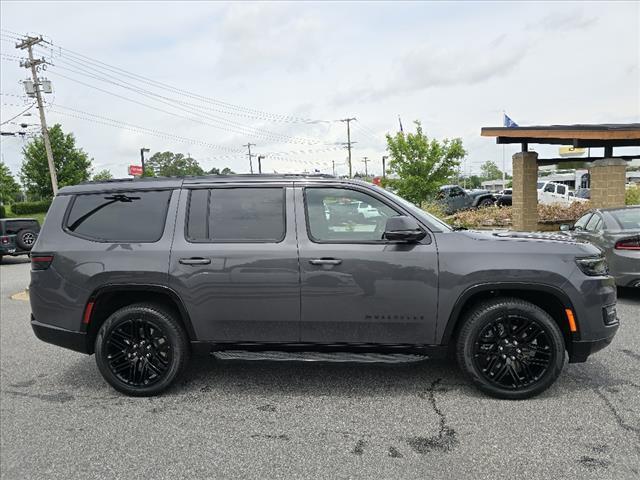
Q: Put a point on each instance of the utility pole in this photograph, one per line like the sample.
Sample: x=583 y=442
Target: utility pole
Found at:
x=366 y=170
x=384 y=166
x=28 y=43
x=260 y=158
x=333 y=167
x=349 y=142
x=142 y=150
x=250 y=155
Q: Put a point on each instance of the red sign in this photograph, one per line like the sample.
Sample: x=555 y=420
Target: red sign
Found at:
x=135 y=170
x=377 y=181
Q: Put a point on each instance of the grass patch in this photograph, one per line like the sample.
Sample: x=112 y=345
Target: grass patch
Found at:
x=37 y=216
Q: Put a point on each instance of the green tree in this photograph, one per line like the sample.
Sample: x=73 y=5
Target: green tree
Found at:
x=224 y=171
x=102 y=175
x=473 y=181
x=490 y=171
x=169 y=164
x=9 y=188
x=421 y=164
x=72 y=164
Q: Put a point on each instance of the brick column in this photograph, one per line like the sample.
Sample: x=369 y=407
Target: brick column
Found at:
x=607 y=178
x=525 y=194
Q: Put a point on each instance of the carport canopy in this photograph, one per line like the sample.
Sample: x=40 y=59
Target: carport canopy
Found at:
x=607 y=171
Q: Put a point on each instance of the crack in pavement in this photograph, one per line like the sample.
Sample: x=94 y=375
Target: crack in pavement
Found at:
x=446 y=438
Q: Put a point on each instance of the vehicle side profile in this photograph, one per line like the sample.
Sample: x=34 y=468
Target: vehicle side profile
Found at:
x=455 y=198
x=143 y=273
x=616 y=231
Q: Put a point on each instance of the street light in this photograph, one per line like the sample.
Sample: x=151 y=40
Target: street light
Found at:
x=142 y=150
x=260 y=158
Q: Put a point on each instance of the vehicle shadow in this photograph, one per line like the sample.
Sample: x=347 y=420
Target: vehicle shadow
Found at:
x=628 y=293
x=7 y=260
x=208 y=376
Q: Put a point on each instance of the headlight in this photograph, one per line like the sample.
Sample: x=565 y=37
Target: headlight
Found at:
x=593 y=266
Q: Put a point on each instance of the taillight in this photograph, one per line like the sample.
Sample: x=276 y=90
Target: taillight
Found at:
x=4 y=240
x=40 y=262
x=628 y=244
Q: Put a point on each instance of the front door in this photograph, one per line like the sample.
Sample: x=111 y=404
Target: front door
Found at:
x=234 y=262
x=356 y=287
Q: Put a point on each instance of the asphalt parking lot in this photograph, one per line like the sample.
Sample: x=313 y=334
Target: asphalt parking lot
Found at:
x=59 y=418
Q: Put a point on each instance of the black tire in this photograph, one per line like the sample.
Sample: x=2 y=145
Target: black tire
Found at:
x=26 y=239
x=141 y=349
x=485 y=202
x=484 y=353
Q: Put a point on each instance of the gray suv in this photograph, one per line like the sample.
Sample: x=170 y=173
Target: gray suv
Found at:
x=143 y=273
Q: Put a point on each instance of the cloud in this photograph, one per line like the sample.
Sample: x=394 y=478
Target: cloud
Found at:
x=431 y=65
x=258 y=37
x=563 y=21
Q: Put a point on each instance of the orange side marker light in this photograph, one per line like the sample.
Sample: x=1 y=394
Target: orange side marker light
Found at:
x=572 y=321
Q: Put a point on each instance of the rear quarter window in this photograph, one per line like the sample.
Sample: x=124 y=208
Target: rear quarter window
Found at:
x=129 y=217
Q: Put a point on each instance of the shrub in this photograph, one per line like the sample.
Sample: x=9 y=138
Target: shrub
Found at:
x=502 y=216
x=3 y=211
x=632 y=195
x=434 y=208
x=26 y=208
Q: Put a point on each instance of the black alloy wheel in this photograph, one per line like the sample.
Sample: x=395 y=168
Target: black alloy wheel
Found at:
x=513 y=351
x=510 y=348
x=138 y=352
x=141 y=349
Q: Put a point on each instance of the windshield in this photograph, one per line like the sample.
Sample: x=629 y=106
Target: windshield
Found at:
x=540 y=184
x=628 y=219
x=415 y=210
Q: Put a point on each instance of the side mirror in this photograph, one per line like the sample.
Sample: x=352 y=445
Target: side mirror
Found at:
x=565 y=227
x=403 y=229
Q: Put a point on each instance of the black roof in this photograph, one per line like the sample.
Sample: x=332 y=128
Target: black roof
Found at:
x=154 y=183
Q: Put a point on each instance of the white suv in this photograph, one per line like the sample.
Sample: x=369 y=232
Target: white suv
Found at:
x=551 y=192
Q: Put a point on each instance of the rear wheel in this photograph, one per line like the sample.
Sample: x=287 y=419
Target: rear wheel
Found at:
x=26 y=239
x=510 y=348
x=141 y=349
x=486 y=202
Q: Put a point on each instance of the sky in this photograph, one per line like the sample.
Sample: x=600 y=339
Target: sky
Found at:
x=206 y=78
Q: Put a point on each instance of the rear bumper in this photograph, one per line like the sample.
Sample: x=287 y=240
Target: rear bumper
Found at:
x=76 y=341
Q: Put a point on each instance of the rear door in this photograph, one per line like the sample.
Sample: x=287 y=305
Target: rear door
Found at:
x=356 y=287
x=234 y=262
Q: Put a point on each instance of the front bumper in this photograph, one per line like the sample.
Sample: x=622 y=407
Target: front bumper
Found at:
x=76 y=341
x=581 y=350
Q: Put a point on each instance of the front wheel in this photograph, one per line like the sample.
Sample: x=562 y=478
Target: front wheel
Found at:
x=510 y=348
x=486 y=202
x=141 y=349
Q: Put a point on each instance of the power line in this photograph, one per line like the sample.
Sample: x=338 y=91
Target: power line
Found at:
x=147 y=80
x=21 y=113
x=227 y=125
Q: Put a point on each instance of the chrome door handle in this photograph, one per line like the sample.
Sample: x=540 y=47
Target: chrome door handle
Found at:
x=325 y=261
x=195 y=261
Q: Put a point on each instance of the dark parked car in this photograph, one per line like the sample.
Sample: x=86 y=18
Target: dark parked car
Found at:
x=17 y=235
x=454 y=198
x=145 y=272
x=616 y=231
x=505 y=198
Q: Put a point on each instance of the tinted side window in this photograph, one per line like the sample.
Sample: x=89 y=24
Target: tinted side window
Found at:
x=236 y=215
x=333 y=215
x=594 y=223
x=561 y=189
x=119 y=216
x=582 y=221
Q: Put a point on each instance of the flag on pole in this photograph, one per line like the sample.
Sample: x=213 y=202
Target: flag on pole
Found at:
x=508 y=122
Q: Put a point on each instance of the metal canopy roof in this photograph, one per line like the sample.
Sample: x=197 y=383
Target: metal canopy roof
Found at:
x=579 y=136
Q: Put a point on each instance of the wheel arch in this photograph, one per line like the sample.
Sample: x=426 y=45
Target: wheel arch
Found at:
x=107 y=299
x=550 y=298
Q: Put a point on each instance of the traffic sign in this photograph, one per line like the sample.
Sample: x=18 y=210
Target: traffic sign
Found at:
x=135 y=170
